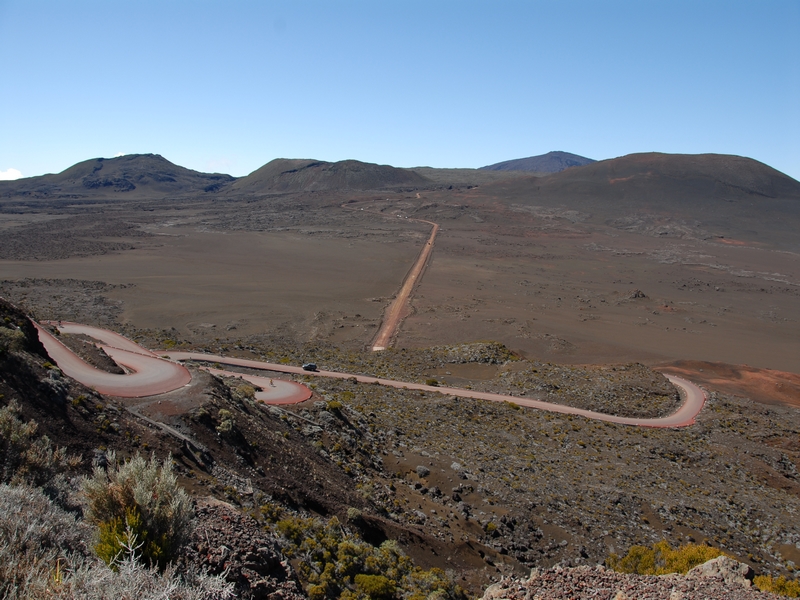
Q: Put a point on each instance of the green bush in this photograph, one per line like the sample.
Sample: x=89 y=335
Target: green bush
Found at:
x=226 y=422
x=49 y=557
x=138 y=500
x=246 y=392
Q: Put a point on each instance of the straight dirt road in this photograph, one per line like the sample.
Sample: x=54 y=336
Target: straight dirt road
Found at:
x=398 y=308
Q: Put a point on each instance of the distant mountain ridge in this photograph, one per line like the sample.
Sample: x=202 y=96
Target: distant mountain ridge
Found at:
x=306 y=175
x=702 y=195
x=132 y=174
x=552 y=162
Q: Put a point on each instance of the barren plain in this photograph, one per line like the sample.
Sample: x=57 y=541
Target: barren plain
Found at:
x=535 y=286
x=542 y=281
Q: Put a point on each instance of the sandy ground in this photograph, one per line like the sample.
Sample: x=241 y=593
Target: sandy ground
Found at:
x=569 y=299
x=543 y=282
x=218 y=283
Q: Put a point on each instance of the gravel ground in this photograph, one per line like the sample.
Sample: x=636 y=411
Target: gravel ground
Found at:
x=598 y=583
x=226 y=542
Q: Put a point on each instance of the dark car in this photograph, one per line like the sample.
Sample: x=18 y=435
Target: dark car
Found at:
x=310 y=367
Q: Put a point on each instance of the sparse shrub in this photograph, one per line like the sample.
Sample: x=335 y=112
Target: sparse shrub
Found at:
x=334 y=405
x=117 y=535
x=226 y=422
x=271 y=512
x=49 y=557
x=34 y=536
x=354 y=515
x=778 y=585
x=432 y=382
x=246 y=392
x=141 y=498
x=660 y=559
x=11 y=340
x=202 y=415
x=337 y=564
x=24 y=458
x=375 y=586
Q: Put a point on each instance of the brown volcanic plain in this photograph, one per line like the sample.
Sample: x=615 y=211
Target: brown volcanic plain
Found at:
x=690 y=264
x=648 y=257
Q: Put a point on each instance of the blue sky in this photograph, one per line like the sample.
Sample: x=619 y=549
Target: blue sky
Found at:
x=228 y=86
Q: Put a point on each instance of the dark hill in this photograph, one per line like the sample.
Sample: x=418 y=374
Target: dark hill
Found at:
x=139 y=175
x=658 y=194
x=303 y=175
x=552 y=162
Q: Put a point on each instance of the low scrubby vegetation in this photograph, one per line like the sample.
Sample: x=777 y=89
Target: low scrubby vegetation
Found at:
x=335 y=563
x=46 y=551
x=24 y=456
x=138 y=503
x=778 y=585
x=45 y=554
x=661 y=559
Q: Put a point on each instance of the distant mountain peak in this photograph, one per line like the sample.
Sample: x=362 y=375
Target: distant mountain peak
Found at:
x=552 y=162
x=296 y=175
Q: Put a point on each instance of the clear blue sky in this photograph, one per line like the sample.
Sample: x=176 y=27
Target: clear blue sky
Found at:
x=228 y=86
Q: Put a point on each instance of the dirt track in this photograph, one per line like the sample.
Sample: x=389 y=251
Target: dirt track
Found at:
x=396 y=310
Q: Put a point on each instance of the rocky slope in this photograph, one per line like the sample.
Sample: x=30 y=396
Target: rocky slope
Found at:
x=478 y=489
x=718 y=579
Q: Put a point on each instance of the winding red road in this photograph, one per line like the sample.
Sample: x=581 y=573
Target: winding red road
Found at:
x=153 y=375
x=147 y=374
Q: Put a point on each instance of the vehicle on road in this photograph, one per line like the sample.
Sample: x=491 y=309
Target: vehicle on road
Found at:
x=310 y=367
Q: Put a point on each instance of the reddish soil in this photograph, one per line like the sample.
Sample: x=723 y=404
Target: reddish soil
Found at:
x=764 y=385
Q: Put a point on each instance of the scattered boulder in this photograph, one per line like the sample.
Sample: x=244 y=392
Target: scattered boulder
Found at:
x=731 y=571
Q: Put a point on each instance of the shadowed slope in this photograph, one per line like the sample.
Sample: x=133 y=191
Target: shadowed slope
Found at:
x=552 y=162
x=135 y=175
x=712 y=195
